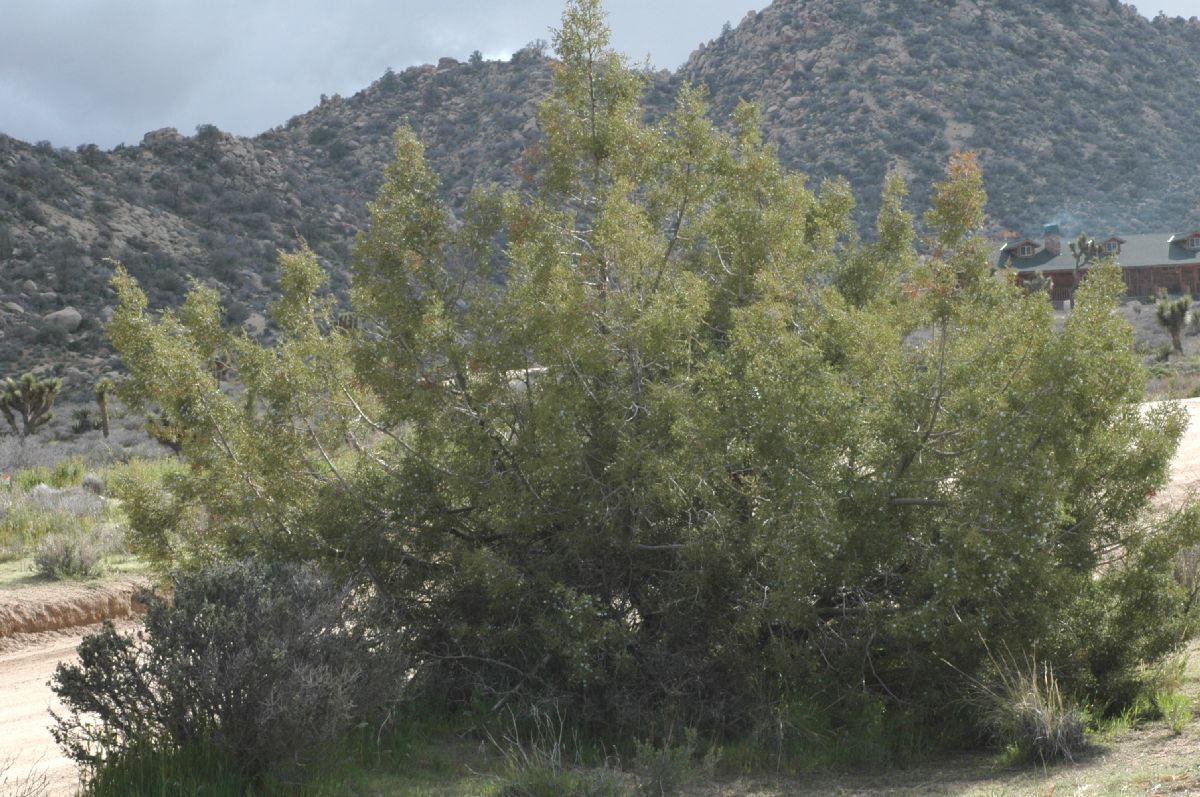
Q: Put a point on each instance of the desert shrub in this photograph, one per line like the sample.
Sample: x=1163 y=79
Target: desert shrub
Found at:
x=69 y=555
x=82 y=421
x=67 y=472
x=73 y=501
x=1164 y=698
x=94 y=483
x=29 y=478
x=264 y=662
x=34 y=460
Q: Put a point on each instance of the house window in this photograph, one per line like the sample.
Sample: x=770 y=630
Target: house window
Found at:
x=1111 y=247
x=1026 y=250
x=1194 y=244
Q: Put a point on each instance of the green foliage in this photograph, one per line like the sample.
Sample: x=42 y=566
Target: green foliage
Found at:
x=704 y=454
x=1084 y=250
x=198 y=770
x=1172 y=315
x=266 y=663
x=67 y=472
x=158 y=518
x=81 y=420
x=29 y=399
x=166 y=432
x=1164 y=697
x=28 y=478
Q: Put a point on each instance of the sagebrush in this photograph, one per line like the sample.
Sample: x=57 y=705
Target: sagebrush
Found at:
x=265 y=662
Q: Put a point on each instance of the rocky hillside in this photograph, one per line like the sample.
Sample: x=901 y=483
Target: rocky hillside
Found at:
x=218 y=208
x=1082 y=111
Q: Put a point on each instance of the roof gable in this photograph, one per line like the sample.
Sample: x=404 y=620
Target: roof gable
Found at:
x=1135 y=251
x=1016 y=245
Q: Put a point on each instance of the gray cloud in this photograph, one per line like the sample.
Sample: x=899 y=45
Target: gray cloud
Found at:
x=75 y=71
x=107 y=71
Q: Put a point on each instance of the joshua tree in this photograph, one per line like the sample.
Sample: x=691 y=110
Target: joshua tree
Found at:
x=103 y=388
x=30 y=398
x=1172 y=315
x=1084 y=249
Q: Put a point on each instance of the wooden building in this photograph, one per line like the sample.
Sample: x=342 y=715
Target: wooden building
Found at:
x=1149 y=263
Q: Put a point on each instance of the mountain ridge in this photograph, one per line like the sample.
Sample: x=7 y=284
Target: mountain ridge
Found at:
x=851 y=88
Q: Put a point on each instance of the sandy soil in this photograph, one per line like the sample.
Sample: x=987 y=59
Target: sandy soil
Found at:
x=40 y=626
x=51 y=606
x=25 y=696
x=1185 y=468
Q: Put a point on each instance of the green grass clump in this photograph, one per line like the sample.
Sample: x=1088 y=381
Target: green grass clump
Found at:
x=550 y=782
x=65 y=473
x=196 y=771
x=1176 y=709
x=29 y=478
x=1027 y=714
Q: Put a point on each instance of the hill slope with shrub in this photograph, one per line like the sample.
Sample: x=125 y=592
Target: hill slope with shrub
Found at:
x=1082 y=112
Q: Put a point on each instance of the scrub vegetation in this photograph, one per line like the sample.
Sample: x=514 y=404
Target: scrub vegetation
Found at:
x=648 y=468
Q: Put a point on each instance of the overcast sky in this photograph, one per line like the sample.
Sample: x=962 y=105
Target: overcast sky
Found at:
x=108 y=71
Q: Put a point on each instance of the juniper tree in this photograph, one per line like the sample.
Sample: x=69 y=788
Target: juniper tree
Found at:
x=31 y=400
x=662 y=436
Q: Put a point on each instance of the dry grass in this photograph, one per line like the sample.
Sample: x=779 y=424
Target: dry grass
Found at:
x=1137 y=758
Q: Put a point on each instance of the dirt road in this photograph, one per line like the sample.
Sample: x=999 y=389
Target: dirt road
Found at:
x=25 y=695
x=41 y=625
x=1185 y=468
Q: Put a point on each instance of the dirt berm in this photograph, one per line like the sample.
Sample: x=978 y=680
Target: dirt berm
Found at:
x=36 y=608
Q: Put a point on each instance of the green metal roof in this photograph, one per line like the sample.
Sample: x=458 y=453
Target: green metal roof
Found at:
x=1137 y=251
